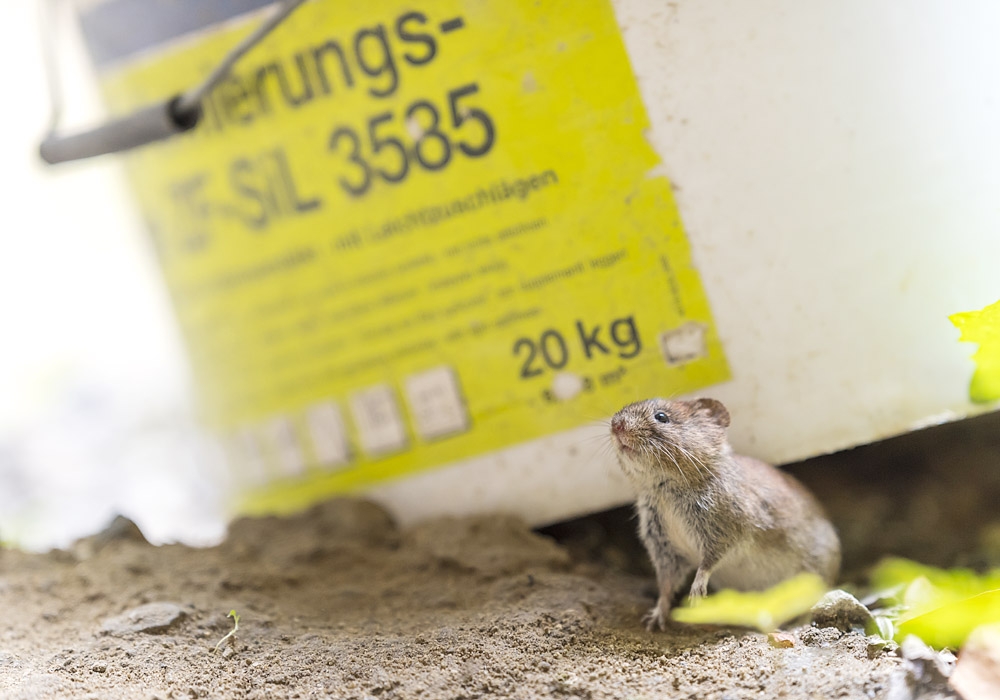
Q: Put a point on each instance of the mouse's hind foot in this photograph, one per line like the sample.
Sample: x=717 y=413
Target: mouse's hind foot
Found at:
x=658 y=616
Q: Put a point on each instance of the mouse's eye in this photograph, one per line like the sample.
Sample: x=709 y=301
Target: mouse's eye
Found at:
x=661 y=416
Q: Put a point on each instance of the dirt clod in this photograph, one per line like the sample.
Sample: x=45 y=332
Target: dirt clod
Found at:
x=151 y=618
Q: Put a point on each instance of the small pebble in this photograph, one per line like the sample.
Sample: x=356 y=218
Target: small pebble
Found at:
x=841 y=610
x=977 y=674
x=781 y=640
x=923 y=674
x=938 y=664
x=99 y=667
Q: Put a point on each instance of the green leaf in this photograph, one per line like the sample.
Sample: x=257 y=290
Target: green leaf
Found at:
x=884 y=627
x=924 y=588
x=763 y=610
x=982 y=327
x=951 y=624
x=941 y=606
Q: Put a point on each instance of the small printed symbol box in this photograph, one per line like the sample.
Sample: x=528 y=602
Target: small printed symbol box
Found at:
x=378 y=419
x=684 y=344
x=328 y=435
x=436 y=403
x=281 y=435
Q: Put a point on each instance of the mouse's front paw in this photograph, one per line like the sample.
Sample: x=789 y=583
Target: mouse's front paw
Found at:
x=656 y=618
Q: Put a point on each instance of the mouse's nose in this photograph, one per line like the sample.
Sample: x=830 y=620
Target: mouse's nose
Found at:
x=617 y=425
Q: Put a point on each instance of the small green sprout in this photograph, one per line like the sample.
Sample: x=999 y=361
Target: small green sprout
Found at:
x=236 y=626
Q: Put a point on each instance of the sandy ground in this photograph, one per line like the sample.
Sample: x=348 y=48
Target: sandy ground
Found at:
x=339 y=603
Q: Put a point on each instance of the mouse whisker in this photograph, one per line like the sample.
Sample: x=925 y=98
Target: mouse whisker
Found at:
x=695 y=462
x=669 y=451
x=666 y=453
x=687 y=456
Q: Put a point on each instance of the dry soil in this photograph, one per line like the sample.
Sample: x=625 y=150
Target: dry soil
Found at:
x=339 y=603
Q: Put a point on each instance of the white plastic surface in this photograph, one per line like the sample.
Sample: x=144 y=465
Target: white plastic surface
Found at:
x=837 y=169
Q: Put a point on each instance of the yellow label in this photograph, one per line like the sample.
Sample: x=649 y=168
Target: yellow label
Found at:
x=408 y=234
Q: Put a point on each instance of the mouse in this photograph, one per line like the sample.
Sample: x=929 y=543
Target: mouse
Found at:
x=731 y=520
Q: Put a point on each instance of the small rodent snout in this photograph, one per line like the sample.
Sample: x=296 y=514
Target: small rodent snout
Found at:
x=620 y=434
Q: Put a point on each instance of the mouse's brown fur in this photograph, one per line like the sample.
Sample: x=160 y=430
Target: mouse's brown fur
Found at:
x=703 y=508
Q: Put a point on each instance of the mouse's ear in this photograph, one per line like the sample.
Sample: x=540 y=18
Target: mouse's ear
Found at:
x=715 y=409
